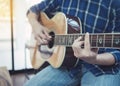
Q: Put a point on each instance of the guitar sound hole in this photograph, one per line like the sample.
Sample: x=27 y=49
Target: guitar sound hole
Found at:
x=51 y=42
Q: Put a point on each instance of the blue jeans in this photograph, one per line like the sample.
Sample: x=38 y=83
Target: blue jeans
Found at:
x=61 y=77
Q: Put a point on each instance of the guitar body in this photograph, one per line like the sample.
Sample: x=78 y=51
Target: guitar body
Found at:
x=64 y=29
x=57 y=55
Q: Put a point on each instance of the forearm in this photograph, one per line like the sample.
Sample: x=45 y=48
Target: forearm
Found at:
x=33 y=19
x=105 y=59
x=100 y=59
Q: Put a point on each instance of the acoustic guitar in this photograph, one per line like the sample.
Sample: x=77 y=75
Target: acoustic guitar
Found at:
x=64 y=29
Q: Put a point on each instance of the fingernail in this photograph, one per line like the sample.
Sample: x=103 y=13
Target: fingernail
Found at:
x=87 y=33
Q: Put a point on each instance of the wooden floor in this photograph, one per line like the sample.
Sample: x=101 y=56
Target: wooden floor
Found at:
x=20 y=79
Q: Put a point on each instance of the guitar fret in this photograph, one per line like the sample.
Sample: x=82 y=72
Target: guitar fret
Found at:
x=104 y=41
x=108 y=40
x=55 y=40
x=116 y=41
x=96 y=40
x=69 y=40
x=59 y=40
x=65 y=38
x=112 y=40
x=90 y=39
x=100 y=40
x=62 y=40
x=73 y=37
x=93 y=41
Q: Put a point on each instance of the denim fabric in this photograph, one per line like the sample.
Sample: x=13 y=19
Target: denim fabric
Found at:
x=61 y=77
x=53 y=77
x=89 y=79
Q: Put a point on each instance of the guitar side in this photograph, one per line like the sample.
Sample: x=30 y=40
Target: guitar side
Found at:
x=58 y=25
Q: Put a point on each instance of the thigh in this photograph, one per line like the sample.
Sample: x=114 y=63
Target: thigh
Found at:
x=53 y=77
x=89 y=79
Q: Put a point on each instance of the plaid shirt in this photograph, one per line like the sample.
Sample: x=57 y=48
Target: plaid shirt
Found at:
x=97 y=16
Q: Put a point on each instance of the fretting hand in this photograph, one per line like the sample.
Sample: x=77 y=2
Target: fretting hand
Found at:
x=85 y=53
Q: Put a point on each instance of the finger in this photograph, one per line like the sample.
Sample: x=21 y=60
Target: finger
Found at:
x=76 y=51
x=47 y=35
x=42 y=36
x=77 y=45
x=81 y=44
x=87 y=42
x=44 y=41
x=41 y=41
x=39 y=37
x=79 y=38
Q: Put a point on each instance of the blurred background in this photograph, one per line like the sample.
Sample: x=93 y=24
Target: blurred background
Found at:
x=15 y=31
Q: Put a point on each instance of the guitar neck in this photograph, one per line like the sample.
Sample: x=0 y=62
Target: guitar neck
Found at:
x=96 y=40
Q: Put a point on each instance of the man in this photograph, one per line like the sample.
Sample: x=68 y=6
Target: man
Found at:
x=100 y=68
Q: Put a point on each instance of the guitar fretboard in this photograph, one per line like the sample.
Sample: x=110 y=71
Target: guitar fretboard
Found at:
x=96 y=40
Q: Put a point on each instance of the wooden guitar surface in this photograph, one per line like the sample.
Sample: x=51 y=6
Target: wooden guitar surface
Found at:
x=55 y=56
x=64 y=29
